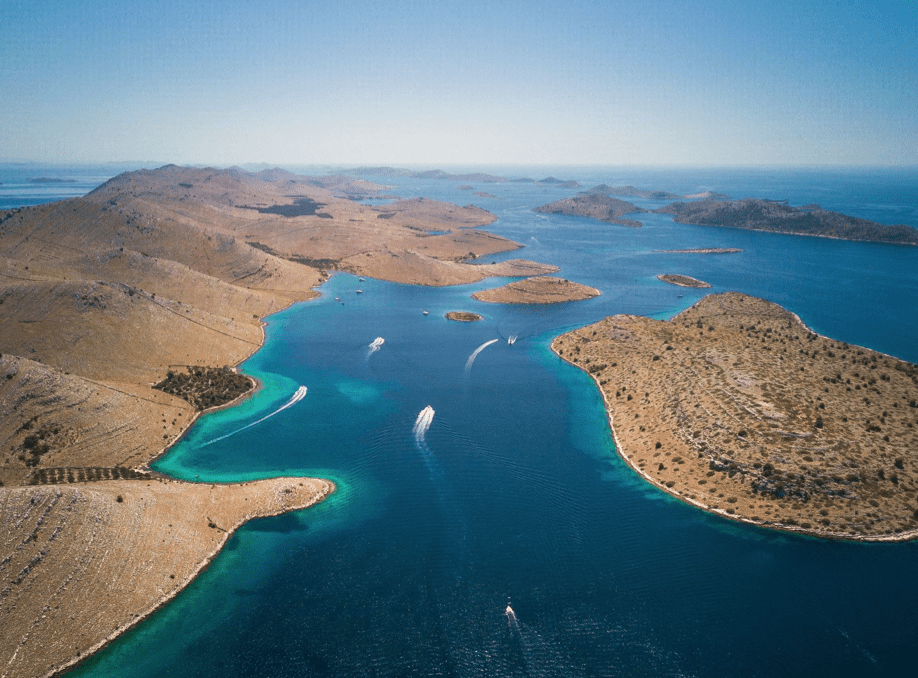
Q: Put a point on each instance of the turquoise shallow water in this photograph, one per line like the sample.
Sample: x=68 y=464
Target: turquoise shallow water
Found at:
x=515 y=491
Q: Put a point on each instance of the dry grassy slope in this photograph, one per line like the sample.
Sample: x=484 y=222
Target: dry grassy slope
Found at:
x=173 y=280
x=96 y=424
x=75 y=229
x=81 y=563
x=736 y=406
x=111 y=332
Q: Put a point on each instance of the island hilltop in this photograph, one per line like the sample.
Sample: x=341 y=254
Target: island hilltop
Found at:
x=541 y=289
x=737 y=407
x=122 y=311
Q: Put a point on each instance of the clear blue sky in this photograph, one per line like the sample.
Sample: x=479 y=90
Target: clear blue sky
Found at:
x=423 y=82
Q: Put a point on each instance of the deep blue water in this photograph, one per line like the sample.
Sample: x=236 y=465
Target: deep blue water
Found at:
x=17 y=189
x=515 y=492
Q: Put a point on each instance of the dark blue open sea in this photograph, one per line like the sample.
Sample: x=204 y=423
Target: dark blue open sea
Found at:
x=515 y=492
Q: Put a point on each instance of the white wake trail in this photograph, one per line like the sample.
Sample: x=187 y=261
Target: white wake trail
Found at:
x=422 y=424
x=294 y=399
x=468 y=363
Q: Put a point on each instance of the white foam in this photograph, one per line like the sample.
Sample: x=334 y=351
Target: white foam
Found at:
x=471 y=360
x=294 y=399
x=422 y=424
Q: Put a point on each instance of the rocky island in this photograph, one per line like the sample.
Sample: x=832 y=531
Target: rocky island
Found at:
x=779 y=217
x=463 y=316
x=737 y=407
x=682 y=280
x=537 y=290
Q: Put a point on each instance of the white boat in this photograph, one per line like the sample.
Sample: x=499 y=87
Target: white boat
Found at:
x=426 y=312
x=509 y=611
x=359 y=291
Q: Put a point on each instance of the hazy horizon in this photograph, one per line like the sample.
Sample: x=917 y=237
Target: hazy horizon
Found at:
x=703 y=84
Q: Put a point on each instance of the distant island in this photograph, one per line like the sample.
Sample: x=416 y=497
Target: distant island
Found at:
x=476 y=177
x=630 y=190
x=51 y=180
x=595 y=206
x=537 y=290
x=682 y=280
x=779 y=217
x=703 y=250
x=737 y=407
x=598 y=202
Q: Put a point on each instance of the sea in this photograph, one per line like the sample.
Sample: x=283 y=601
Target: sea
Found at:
x=475 y=474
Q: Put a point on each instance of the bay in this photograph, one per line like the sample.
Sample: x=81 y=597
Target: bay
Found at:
x=515 y=492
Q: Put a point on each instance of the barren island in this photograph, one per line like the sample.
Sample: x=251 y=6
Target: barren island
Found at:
x=737 y=407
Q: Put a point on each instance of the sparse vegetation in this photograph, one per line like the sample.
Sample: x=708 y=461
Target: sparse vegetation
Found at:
x=206 y=387
x=734 y=405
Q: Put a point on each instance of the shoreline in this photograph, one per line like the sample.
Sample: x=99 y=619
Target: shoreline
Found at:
x=779 y=527
x=257 y=386
x=198 y=569
x=795 y=233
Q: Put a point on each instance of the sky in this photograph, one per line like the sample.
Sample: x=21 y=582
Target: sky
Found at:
x=416 y=82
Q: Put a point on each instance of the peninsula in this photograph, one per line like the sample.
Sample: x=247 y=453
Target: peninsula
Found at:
x=737 y=407
x=121 y=310
x=779 y=217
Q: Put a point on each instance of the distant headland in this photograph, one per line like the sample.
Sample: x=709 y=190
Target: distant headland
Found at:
x=779 y=217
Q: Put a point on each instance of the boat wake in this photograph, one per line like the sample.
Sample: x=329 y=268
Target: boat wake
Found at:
x=471 y=360
x=294 y=399
x=422 y=424
x=540 y=657
x=375 y=346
